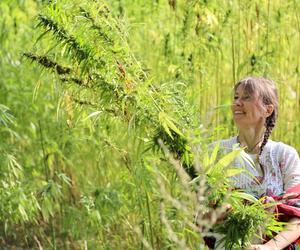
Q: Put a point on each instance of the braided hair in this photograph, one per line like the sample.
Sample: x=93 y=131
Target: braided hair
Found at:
x=268 y=93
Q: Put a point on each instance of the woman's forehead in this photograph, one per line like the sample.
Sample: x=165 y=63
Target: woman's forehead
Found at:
x=247 y=89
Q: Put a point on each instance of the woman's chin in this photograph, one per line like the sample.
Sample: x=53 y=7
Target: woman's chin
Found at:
x=240 y=123
x=239 y=120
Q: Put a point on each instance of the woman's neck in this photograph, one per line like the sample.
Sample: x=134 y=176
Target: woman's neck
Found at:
x=251 y=138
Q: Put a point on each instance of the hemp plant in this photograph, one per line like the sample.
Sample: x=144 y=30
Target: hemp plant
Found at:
x=98 y=70
x=89 y=54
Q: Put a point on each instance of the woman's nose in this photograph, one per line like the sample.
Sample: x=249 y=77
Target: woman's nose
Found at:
x=238 y=102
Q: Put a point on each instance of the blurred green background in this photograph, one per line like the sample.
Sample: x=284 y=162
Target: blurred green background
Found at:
x=72 y=176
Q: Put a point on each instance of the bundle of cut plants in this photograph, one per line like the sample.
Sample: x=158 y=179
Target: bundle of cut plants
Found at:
x=248 y=222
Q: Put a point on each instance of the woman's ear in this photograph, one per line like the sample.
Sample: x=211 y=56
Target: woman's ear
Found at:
x=269 y=109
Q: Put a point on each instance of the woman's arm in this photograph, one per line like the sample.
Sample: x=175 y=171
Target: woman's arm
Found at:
x=290 y=233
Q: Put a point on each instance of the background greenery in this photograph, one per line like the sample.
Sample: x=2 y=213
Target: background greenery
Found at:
x=81 y=167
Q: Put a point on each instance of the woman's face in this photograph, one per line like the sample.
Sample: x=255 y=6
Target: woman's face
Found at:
x=249 y=110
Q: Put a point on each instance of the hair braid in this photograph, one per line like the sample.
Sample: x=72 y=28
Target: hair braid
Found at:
x=270 y=124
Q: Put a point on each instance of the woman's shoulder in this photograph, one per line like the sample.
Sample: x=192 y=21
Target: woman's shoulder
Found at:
x=278 y=145
x=280 y=148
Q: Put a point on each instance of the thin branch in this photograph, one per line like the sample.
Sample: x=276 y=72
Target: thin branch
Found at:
x=48 y=63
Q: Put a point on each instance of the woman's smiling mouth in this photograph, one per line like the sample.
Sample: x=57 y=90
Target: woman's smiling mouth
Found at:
x=237 y=112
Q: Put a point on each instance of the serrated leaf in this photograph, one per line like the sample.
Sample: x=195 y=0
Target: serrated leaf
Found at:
x=223 y=162
x=214 y=154
x=233 y=171
x=23 y=212
x=245 y=196
x=206 y=161
x=168 y=124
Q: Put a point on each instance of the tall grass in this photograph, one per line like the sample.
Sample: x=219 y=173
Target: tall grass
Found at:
x=226 y=41
x=104 y=108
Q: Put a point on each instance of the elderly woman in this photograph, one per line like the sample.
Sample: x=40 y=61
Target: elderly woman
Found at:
x=277 y=165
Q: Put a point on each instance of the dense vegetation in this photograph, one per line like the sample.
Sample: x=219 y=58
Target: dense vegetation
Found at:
x=107 y=108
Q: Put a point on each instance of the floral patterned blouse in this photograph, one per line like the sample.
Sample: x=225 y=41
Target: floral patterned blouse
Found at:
x=281 y=168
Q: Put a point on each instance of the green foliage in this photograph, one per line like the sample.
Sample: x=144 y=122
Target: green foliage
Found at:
x=117 y=78
x=104 y=107
x=248 y=218
x=245 y=223
x=19 y=205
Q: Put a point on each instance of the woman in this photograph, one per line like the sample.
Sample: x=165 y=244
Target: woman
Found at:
x=277 y=165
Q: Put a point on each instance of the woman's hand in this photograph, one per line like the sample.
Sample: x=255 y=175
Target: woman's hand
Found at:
x=218 y=214
x=223 y=215
x=288 y=196
x=269 y=200
x=261 y=247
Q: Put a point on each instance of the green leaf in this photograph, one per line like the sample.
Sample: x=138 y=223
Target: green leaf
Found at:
x=214 y=154
x=168 y=124
x=96 y=113
x=245 y=196
x=223 y=162
x=23 y=212
x=233 y=171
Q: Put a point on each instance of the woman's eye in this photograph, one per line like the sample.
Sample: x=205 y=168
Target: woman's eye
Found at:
x=235 y=97
x=247 y=97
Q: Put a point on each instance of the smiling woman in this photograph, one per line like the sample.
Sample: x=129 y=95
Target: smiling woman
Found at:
x=276 y=165
x=255 y=102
